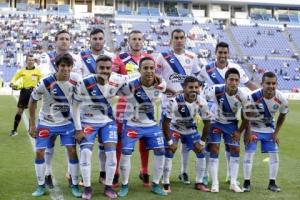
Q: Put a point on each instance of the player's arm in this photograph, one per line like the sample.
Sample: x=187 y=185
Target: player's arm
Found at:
x=280 y=121
x=32 y=108
x=14 y=80
x=243 y=127
x=166 y=126
x=77 y=100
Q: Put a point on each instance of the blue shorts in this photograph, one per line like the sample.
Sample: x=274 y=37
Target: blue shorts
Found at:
x=217 y=130
x=106 y=133
x=47 y=135
x=152 y=136
x=268 y=145
x=189 y=140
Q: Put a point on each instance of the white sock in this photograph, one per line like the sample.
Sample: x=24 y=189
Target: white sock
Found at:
x=85 y=166
x=49 y=152
x=273 y=165
x=227 y=156
x=214 y=168
x=207 y=154
x=200 y=169
x=248 y=162
x=184 y=158
x=158 y=167
x=102 y=159
x=110 y=166
x=167 y=170
x=125 y=167
x=234 y=169
x=74 y=171
x=40 y=172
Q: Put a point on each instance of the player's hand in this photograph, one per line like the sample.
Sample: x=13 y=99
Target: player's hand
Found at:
x=198 y=147
x=157 y=80
x=32 y=131
x=14 y=87
x=236 y=136
x=248 y=137
x=79 y=135
x=173 y=147
x=275 y=138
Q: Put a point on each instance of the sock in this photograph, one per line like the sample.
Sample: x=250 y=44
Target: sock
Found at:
x=125 y=167
x=110 y=166
x=49 y=152
x=17 y=121
x=40 y=171
x=74 y=169
x=234 y=168
x=200 y=169
x=144 y=155
x=158 y=167
x=227 y=156
x=85 y=166
x=167 y=170
x=214 y=168
x=184 y=158
x=273 y=165
x=207 y=154
x=248 y=162
x=102 y=158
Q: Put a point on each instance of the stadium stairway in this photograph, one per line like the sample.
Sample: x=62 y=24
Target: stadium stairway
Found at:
x=292 y=43
x=235 y=44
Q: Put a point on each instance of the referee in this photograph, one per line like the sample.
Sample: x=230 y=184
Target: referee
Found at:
x=25 y=80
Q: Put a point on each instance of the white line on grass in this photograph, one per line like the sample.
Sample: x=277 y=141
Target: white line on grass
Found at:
x=55 y=193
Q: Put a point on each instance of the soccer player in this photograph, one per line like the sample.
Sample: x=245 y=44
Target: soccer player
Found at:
x=173 y=66
x=25 y=80
x=88 y=66
x=228 y=99
x=94 y=96
x=214 y=73
x=141 y=123
x=127 y=63
x=265 y=103
x=56 y=92
x=179 y=123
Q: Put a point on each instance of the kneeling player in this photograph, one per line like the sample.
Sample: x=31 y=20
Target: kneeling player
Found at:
x=179 y=123
x=265 y=103
x=56 y=92
x=141 y=123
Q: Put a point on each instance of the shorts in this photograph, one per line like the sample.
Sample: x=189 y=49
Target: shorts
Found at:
x=152 y=137
x=46 y=135
x=24 y=98
x=189 y=140
x=268 y=145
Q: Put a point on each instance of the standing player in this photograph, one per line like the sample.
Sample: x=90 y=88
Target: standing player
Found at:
x=214 y=73
x=228 y=99
x=28 y=77
x=141 y=123
x=127 y=63
x=88 y=66
x=179 y=123
x=265 y=103
x=56 y=92
x=94 y=95
x=173 y=66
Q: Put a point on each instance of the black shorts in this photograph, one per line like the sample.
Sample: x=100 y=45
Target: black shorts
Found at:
x=24 y=98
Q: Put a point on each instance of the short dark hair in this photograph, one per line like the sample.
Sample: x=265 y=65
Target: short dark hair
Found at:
x=222 y=44
x=190 y=79
x=231 y=71
x=268 y=75
x=134 y=32
x=144 y=59
x=96 y=31
x=61 y=32
x=177 y=30
x=103 y=58
x=64 y=58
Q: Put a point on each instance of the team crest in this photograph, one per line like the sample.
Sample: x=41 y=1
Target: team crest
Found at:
x=187 y=61
x=275 y=106
x=156 y=93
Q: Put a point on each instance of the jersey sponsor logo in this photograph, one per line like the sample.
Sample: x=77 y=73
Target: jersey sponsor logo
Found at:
x=142 y=95
x=43 y=133
x=132 y=133
x=88 y=129
x=177 y=77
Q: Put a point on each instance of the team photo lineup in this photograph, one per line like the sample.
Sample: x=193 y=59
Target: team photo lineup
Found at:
x=110 y=102
x=147 y=99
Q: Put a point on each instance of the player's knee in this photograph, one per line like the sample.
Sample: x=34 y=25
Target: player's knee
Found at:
x=234 y=151
x=109 y=147
x=127 y=151
x=40 y=154
x=214 y=149
x=159 y=152
x=72 y=152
